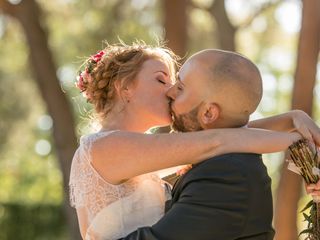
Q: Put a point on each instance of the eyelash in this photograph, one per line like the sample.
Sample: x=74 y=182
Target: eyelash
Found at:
x=161 y=81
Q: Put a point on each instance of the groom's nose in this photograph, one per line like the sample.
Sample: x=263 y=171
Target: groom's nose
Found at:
x=172 y=92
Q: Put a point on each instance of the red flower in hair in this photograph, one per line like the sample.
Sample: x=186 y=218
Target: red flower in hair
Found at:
x=84 y=78
x=98 y=56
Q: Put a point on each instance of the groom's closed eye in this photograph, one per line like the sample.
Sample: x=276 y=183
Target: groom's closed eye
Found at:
x=179 y=83
x=180 y=87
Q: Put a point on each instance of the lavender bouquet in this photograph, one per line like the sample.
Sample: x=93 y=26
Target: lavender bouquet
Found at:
x=307 y=163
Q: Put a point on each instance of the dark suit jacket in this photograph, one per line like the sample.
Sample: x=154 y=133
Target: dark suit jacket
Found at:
x=224 y=198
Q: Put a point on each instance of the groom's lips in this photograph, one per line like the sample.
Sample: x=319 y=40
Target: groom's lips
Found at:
x=172 y=117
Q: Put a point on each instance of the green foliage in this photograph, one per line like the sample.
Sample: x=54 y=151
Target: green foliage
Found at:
x=32 y=222
x=26 y=176
x=312 y=232
x=13 y=107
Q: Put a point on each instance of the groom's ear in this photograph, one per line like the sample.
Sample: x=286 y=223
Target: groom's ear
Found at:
x=211 y=113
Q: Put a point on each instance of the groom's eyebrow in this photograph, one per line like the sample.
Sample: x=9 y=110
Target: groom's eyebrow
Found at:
x=179 y=80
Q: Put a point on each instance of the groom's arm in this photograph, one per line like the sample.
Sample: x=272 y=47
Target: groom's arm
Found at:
x=211 y=207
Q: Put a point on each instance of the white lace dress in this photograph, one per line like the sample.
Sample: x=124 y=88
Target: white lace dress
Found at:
x=107 y=211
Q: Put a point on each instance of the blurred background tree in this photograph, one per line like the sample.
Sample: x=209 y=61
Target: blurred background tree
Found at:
x=289 y=190
x=42 y=115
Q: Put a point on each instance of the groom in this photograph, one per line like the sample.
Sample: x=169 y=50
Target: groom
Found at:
x=226 y=197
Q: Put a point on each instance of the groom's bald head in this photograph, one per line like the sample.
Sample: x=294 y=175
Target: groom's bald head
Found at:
x=234 y=83
x=224 y=86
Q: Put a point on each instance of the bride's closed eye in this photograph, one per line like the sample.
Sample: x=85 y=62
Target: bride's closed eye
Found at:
x=161 y=81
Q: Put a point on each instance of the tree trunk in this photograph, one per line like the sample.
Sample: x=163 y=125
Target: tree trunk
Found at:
x=289 y=189
x=308 y=51
x=175 y=25
x=175 y=22
x=226 y=31
x=27 y=12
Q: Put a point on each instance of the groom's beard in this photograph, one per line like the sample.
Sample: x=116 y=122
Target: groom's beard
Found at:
x=187 y=122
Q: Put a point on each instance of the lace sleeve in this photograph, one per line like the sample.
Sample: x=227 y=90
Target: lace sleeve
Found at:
x=86 y=185
x=82 y=179
x=77 y=185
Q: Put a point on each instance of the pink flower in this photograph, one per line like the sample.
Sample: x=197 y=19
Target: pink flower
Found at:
x=85 y=77
x=88 y=96
x=80 y=83
x=98 y=56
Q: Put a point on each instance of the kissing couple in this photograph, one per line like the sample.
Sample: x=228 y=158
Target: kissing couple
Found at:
x=225 y=193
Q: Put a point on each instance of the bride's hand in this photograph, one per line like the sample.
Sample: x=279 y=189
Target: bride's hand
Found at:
x=306 y=126
x=313 y=189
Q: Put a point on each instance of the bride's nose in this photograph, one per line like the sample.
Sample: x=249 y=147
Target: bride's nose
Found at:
x=172 y=92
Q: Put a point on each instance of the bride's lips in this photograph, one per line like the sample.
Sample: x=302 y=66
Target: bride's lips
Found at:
x=172 y=113
x=170 y=108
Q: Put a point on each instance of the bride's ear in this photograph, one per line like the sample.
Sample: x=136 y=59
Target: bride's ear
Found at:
x=124 y=92
x=210 y=114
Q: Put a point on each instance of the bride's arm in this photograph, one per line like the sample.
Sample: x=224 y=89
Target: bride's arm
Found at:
x=122 y=155
x=281 y=122
x=290 y=121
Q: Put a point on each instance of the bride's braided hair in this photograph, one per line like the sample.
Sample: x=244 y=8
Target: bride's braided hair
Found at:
x=118 y=62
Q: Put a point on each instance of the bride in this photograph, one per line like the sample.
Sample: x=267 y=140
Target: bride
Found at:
x=112 y=182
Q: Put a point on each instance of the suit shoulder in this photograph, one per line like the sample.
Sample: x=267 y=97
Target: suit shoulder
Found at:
x=234 y=165
x=232 y=160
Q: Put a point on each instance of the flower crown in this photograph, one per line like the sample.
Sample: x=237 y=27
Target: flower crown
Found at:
x=85 y=77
